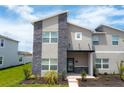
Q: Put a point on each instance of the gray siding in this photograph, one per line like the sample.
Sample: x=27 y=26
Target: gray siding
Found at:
x=84 y=44
x=106 y=45
x=50 y=50
x=10 y=53
x=114 y=60
x=106 y=41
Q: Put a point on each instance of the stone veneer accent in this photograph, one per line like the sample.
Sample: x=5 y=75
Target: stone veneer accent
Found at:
x=37 y=48
x=62 y=43
x=80 y=69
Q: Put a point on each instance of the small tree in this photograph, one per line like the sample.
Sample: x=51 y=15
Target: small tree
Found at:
x=95 y=71
x=27 y=73
x=121 y=69
x=83 y=75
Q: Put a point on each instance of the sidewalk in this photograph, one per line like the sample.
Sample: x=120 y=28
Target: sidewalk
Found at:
x=72 y=82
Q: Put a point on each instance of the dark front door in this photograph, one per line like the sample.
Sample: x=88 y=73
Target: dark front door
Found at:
x=70 y=65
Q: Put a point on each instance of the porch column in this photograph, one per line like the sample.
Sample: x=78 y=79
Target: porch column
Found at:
x=90 y=65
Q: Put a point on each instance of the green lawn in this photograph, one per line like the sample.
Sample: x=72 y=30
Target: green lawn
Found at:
x=11 y=77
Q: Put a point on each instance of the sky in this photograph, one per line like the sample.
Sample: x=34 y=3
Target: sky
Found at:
x=15 y=21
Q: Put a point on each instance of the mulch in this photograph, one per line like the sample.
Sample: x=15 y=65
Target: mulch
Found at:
x=42 y=81
x=103 y=81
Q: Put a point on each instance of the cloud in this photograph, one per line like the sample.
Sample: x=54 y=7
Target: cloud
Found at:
x=92 y=16
x=25 y=12
x=22 y=30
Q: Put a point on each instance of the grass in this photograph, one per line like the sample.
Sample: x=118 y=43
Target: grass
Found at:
x=11 y=77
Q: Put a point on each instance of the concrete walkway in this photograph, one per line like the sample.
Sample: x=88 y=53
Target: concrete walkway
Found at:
x=72 y=79
x=73 y=82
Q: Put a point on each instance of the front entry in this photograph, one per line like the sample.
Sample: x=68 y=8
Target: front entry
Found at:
x=70 y=64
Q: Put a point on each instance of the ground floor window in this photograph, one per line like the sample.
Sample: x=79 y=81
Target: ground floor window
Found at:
x=102 y=63
x=20 y=59
x=1 y=60
x=49 y=64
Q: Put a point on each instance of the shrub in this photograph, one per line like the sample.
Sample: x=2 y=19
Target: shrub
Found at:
x=51 y=77
x=121 y=70
x=105 y=73
x=83 y=75
x=122 y=77
x=95 y=71
x=27 y=73
x=62 y=75
x=113 y=73
x=32 y=77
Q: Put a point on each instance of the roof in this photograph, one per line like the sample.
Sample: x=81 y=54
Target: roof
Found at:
x=108 y=26
x=8 y=38
x=24 y=53
x=93 y=31
x=79 y=26
x=50 y=16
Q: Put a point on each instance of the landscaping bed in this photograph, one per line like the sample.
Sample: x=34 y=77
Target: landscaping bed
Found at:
x=103 y=81
x=42 y=81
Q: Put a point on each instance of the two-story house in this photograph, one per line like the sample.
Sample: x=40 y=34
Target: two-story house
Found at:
x=63 y=46
x=24 y=57
x=8 y=52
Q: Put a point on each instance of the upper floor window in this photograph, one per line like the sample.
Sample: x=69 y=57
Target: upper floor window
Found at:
x=1 y=42
x=78 y=35
x=50 y=37
x=102 y=63
x=54 y=37
x=1 y=60
x=95 y=40
x=115 y=39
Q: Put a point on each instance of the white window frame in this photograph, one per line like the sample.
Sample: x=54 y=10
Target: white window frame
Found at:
x=50 y=64
x=3 y=43
x=76 y=33
x=22 y=59
x=103 y=63
x=46 y=64
x=53 y=64
x=50 y=37
x=115 y=40
x=2 y=60
x=95 y=38
x=98 y=63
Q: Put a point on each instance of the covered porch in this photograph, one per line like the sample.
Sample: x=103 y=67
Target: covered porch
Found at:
x=80 y=60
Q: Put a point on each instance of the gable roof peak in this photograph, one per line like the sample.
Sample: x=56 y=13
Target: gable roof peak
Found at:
x=53 y=15
x=6 y=37
x=108 y=26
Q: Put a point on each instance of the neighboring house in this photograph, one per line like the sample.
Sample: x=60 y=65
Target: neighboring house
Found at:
x=8 y=52
x=62 y=46
x=24 y=57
